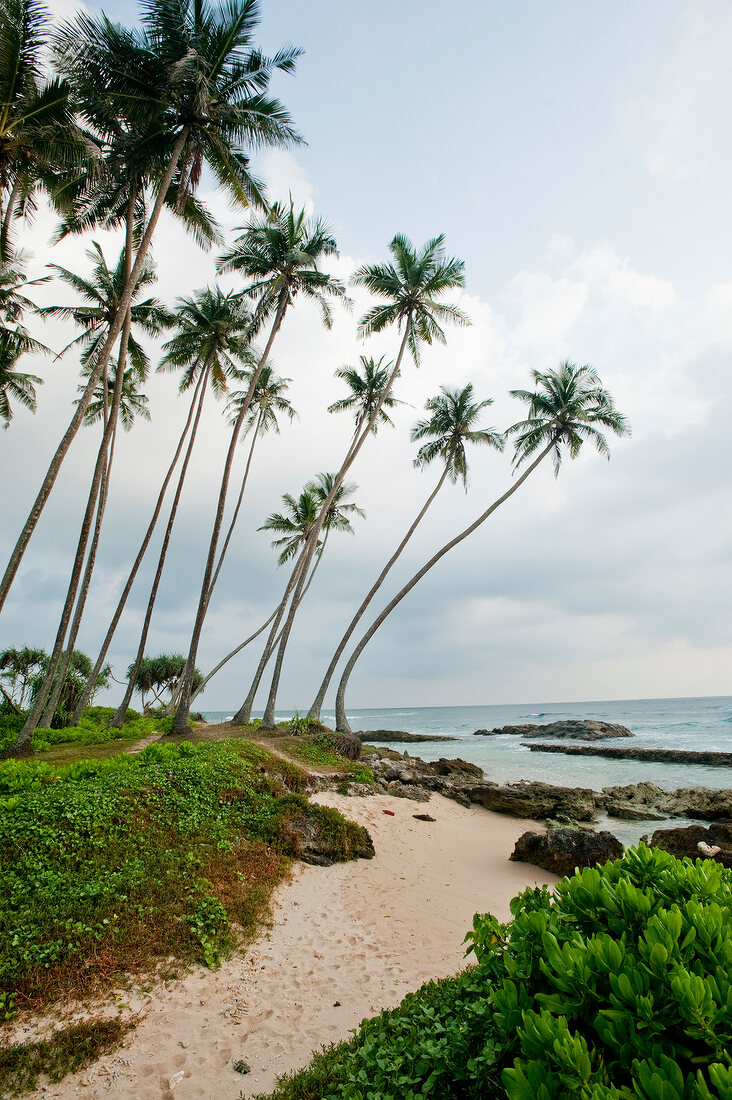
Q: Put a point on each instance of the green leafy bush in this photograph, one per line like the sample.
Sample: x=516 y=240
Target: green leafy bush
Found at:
x=615 y=986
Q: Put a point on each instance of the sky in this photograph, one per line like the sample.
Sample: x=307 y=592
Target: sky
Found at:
x=577 y=158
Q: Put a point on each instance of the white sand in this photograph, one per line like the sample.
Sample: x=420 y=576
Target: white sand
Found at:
x=362 y=934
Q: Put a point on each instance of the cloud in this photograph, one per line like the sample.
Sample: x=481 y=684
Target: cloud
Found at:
x=617 y=284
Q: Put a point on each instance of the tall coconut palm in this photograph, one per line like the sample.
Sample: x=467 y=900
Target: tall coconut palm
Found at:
x=185 y=90
x=268 y=399
x=367 y=388
x=295 y=528
x=411 y=287
x=567 y=409
x=215 y=331
x=39 y=137
x=452 y=424
x=101 y=293
x=280 y=254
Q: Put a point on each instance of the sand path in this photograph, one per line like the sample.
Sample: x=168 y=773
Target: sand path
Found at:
x=346 y=942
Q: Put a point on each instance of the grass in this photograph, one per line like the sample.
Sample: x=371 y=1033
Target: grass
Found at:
x=68 y=1050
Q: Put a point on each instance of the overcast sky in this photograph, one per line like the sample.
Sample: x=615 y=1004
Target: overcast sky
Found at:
x=577 y=157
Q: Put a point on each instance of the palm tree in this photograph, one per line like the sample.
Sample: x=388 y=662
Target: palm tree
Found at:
x=101 y=293
x=566 y=409
x=452 y=424
x=215 y=330
x=185 y=90
x=411 y=287
x=38 y=134
x=14 y=384
x=280 y=253
x=367 y=389
x=17 y=667
x=268 y=399
x=73 y=682
x=295 y=528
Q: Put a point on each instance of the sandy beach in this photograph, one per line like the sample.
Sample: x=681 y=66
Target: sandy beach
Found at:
x=346 y=941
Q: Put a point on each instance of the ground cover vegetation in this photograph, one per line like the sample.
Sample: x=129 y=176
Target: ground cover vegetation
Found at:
x=616 y=985
x=109 y=867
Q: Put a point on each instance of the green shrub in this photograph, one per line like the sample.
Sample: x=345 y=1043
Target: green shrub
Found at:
x=615 y=986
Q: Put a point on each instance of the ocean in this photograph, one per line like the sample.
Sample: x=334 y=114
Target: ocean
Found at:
x=700 y=723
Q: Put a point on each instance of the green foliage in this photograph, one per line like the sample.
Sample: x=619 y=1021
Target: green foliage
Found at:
x=615 y=986
x=93 y=729
x=112 y=864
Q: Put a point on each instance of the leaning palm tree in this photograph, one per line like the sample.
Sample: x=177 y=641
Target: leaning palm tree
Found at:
x=268 y=399
x=280 y=254
x=295 y=528
x=187 y=89
x=412 y=287
x=451 y=425
x=39 y=137
x=215 y=333
x=198 y=348
x=567 y=409
x=367 y=388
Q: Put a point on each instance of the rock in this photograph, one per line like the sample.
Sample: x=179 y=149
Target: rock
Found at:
x=685 y=842
x=563 y=850
x=627 y=811
x=454 y=769
x=534 y=800
x=423 y=817
x=359 y=789
x=321 y=836
x=408 y=790
x=615 y=752
x=241 y=1066
x=572 y=729
x=372 y=737
x=654 y=803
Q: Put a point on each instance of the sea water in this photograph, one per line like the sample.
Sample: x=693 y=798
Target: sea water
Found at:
x=699 y=724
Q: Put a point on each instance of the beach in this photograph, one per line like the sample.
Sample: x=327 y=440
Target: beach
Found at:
x=345 y=942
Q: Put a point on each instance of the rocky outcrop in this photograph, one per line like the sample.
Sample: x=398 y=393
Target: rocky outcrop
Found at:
x=639 y=801
x=533 y=800
x=685 y=842
x=571 y=729
x=662 y=756
x=374 y=737
x=563 y=850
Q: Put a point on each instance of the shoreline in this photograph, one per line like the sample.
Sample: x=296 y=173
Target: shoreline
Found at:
x=346 y=941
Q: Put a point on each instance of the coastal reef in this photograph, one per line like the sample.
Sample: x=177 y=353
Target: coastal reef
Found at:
x=571 y=729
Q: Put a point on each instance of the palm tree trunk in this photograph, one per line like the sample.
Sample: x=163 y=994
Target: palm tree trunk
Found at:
x=121 y=712
x=7 y=218
x=52 y=685
x=317 y=705
x=341 y=720
x=235 y=516
x=268 y=719
x=61 y=451
x=181 y=724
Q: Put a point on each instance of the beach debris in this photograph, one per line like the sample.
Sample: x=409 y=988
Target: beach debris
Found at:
x=563 y=850
x=336 y=1004
x=423 y=817
x=240 y=1066
x=176 y=1078
x=389 y=812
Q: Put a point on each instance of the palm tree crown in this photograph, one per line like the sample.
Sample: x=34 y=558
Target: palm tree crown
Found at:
x=133 y=402
x=367 y=392
x=214 y=330
x=14 y=384
x=565 y=409
x=280 y=254
x=341 y=507
x=268 y=399
x=412 y=285
x=293 y=525
x=451 y=425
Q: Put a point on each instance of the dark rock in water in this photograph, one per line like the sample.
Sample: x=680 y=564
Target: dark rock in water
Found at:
x=650 y=801
x=534 y=800
x=517 y=731
x=570 y=729
x=685 y=842
x=663 y=756
x=373 y=737
x=562 y=850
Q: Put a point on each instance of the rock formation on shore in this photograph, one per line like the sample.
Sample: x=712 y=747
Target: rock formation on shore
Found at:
x=570 y=729
x=372 y=737
x=561 y=850
x=616 y=752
